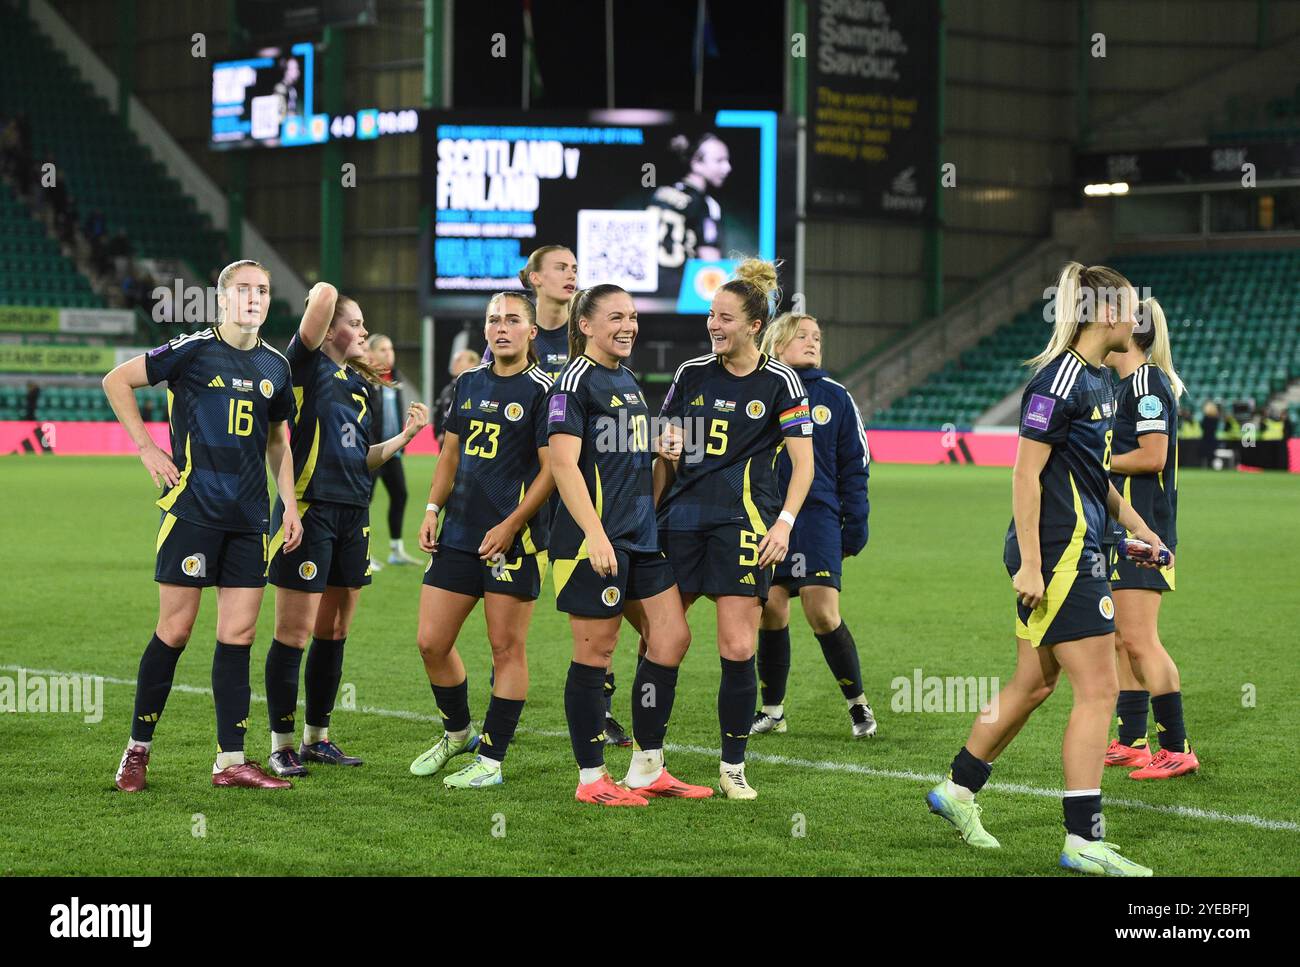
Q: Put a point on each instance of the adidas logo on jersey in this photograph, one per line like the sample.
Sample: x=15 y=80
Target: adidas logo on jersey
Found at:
x=218 y=382
x=698 y=401
x=615 y=401
x=466 y=406
x=342 y=373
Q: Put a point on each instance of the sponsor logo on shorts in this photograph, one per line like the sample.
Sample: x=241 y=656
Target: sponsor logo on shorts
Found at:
x=514 y=412
x=266 y=388
x=755 y=409
x=821 y=414
x=195 y=566
x=307 y=570
x=1107 y=607
x=1038 y=414
x=610 y=597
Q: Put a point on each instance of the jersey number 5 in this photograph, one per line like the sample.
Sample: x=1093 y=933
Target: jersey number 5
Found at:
x=239 y=421
x=490 y=431
x=717 y=432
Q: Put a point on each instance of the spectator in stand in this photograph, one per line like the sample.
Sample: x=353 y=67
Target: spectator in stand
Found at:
x=1209 y=432
x=463 y=360
x=33 y=394
x=389 y=401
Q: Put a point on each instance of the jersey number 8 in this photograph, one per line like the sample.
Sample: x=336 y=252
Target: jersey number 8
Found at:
x=239 y=421
x=489 y=430
x=1105 y=457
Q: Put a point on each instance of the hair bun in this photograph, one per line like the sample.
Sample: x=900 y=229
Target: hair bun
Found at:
x=759 y=273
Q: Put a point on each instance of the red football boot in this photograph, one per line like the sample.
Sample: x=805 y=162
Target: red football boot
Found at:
x=603 y=792
x=1132 y=756
x=666 y=787
x=130 y=773
x=249 y=775
x=1167 y=765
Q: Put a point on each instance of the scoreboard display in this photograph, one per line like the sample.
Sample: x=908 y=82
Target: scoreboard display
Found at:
x=657 y=202
x=266 y=100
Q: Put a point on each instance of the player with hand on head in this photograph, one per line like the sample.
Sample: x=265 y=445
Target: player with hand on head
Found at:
x=831 y=527
x=318 y=583
x=722 y=520
x=605 y=552
x=229 y=399
x=1144 y=468
x=493 y=479
x=1060 y=495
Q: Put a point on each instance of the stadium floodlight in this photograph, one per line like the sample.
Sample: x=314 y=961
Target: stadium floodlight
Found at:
x=1116 y=188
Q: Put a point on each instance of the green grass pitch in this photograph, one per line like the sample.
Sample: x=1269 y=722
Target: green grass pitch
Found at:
x=929 y=593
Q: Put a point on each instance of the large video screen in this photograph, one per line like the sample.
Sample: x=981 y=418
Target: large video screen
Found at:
x=266 y=100
x=654 y=201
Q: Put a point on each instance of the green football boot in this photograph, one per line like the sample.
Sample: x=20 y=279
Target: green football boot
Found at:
x=443 y=752
x=964 y=814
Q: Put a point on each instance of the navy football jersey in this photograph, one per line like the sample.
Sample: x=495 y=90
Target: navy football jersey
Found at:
x=688 y=220
x=220 y=401
x=733 y=427
x=552 y=348
x=1070 y=405
x=1145 y=403
x=332 y=432
x=606 y=408
x=501 y=423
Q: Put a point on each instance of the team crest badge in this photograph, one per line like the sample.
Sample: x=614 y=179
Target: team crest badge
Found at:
x=307 y=570
x=266 y=388
x=755 y=409
x=821 y=415
x=514 y=412
x=1107 y=607
x=194 y=566
x=610 y=597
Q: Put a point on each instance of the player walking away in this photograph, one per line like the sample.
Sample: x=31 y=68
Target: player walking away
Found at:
x=494 y=480
x=831 y=527
x=606 y=553
x=718 y=517
x=690 y=219
x=229 y=395
x=389 y=400
x=1144 y=468
x=319 y=582
x=1060 y=493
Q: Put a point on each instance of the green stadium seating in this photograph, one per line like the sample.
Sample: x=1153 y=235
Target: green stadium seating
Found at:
x=1234 y=321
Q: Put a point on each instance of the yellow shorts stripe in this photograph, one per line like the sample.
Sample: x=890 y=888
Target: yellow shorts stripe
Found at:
x=169 y=521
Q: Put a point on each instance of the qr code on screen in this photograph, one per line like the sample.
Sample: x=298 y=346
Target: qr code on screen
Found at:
x=619 y=247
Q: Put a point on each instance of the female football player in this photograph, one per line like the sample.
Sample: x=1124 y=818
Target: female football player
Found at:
x=493 y=478
x=551 y=275
x=1144 y=468
x=606 y=553
x=229 y=397
x=1060 y=493
x=319 y=582
x=831 y=527
x=721 y=518
x=390 y=398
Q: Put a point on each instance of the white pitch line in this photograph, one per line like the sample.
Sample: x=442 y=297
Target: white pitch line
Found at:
x=825 y=765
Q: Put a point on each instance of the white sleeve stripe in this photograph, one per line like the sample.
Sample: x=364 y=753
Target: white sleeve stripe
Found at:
x=697 y=361
x=574 y=375
x=792 y=382
x=1064 y=378
x=1075 y=370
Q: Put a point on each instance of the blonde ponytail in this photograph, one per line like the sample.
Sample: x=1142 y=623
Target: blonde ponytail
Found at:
x=1154 y=341
x=1080 y=291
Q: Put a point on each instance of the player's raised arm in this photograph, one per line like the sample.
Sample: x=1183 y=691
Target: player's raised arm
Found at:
x=120 y=386
x=317 y=315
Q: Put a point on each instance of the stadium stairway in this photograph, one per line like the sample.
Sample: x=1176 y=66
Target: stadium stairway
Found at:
x=1234 y=321
x=167 y=203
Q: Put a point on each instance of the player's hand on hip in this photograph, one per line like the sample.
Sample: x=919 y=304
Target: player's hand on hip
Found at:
x=160 y=466
x=429 y=533
x=496 y=541
x=774 y=545
x=1029 y=587
x=600 y=552
x=417 y=418
x=292 y=529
